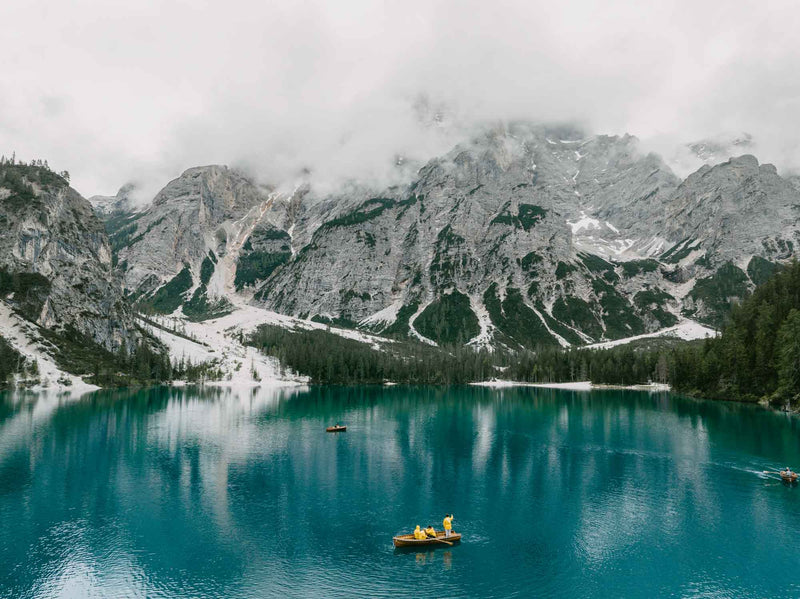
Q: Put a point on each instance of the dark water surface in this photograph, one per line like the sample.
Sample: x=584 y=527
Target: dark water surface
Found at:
x=185 y=493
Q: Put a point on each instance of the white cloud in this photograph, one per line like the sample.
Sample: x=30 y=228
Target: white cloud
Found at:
x=116 y=91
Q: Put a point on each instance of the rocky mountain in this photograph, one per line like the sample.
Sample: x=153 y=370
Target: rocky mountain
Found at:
x=722 y=147
x=731 y=224
x=105 y=206
x=522 y=236
x=55 y=260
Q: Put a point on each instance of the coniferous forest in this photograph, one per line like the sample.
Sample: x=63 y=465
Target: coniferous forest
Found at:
x=756 y=356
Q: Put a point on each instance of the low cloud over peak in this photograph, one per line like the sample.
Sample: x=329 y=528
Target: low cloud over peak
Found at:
x=115 y=92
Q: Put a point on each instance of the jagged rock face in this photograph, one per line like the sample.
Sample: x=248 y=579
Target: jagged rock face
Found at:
x=206 y=209
x=55 y=259
x=728 y=225
x=734 y=210
x=524 y=235
x=720 y=148
x=105 y=206
x=489 y=221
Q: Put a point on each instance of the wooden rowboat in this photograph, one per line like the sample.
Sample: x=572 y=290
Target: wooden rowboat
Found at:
x=410 y=541
x=789 y=478
x=336 y=429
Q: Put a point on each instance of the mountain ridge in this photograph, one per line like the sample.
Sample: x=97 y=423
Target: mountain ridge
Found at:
x=542 y=238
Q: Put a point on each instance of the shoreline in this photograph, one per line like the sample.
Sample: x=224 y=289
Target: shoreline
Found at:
x=573 y=386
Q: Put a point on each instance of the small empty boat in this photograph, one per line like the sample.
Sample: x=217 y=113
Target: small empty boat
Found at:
x=339 y=428
x=410 y=541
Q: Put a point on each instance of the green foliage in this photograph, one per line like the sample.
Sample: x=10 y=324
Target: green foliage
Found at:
x=617 y=366
x=563 y=269
x=597 y=265
x=529 y=215
x=789 y=358
x=147 y=364
x=619 y=316
x=11 y=363
x=754 y=357
x=578 y=314
x=30 y=291
x=760 y=270
x=370 y=209
x=121 y=228
x=448 y=320
x=559 y=327
x=530 y=261
x=19 y=178
x=206 y=270
x=526 y=218
x=757 y=355
x=265 y=250
x=331 y=359
x=263 y=234
x=400 y=328
x=169 y=297
x=258 y=266
x=367 y=238
x=351 y=294
x=652 y=301
x=200 y=307
x=450 y=257
x=718 y=291
x=634 y=267
x=679 y=251
x=21 y=191
x=516 y=320
x=340 y=321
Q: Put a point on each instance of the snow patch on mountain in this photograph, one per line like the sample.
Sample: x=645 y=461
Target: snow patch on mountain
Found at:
x=24 y=337
x=414 y=332
x=218 y=340
x=383 y=317
x=687 y=330
x=561 y=341
x=482 y=340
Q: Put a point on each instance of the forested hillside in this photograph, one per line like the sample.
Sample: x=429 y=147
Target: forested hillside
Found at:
x=11 y=362
x=756 y=357
x=758 y=354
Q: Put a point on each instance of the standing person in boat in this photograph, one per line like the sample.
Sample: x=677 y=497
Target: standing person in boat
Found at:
x=448 y=525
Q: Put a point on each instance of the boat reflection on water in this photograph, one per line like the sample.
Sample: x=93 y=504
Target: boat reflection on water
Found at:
x=428 y=557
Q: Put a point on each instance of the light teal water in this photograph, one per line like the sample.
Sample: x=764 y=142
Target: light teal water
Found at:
x=180 y=493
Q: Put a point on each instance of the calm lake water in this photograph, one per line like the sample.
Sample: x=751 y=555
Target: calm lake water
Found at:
x=218 y=493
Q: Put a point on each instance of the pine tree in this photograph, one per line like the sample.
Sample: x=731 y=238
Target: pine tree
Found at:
x=789 y=358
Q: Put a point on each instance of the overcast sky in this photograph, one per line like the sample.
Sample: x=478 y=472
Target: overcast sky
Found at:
x=114 y=91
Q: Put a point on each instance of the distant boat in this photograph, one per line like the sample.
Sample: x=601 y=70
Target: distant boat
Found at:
x=789 y=477
x=339 y=428
x=410 y=541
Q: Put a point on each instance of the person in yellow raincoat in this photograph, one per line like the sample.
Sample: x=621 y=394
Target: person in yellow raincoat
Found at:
x=430 y=532
x=418 y=534
x=448 y=525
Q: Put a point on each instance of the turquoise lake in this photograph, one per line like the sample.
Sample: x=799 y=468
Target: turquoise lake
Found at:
x=241 y=494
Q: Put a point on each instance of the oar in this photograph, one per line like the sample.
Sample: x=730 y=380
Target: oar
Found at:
x=443 y=541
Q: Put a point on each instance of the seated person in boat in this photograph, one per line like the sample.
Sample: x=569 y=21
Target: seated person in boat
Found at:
x=448 y=525
x=787 y=471
x=418 y=534
x=431 y=532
